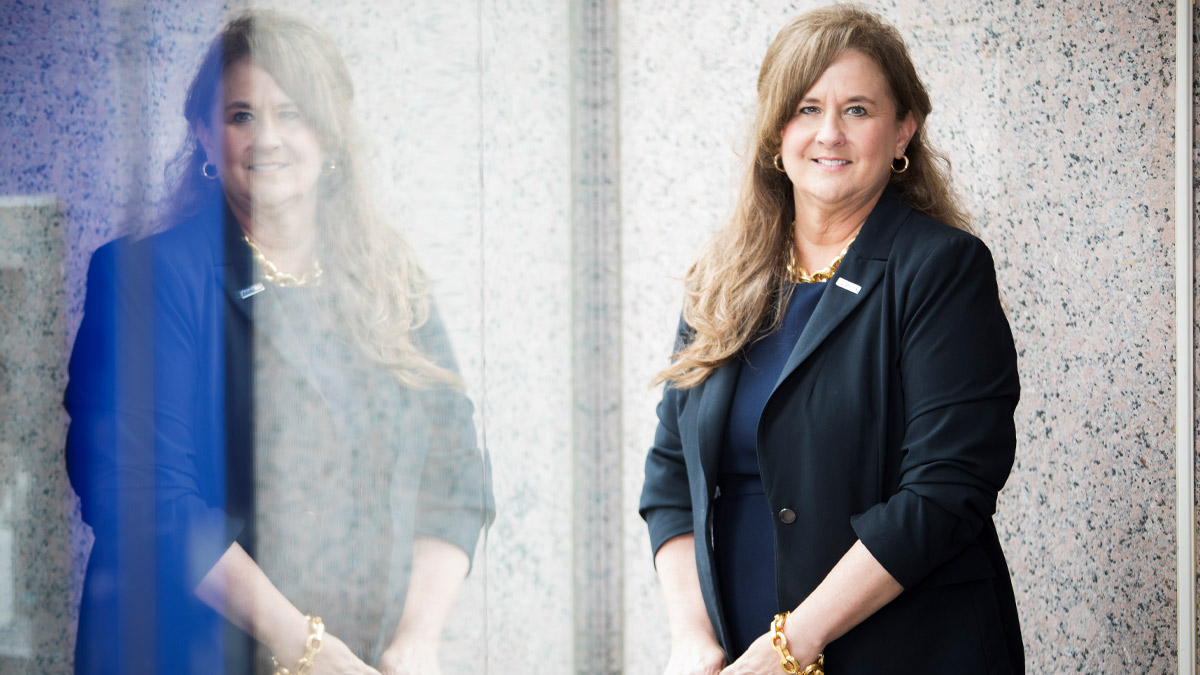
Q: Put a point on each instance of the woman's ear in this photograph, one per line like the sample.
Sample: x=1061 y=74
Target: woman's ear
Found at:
x=205 y=136
x=905 y=130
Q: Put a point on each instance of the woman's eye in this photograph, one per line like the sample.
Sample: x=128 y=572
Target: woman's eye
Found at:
x=808 y=110
x=289 y=114
x=241 y=117
x=856 y=111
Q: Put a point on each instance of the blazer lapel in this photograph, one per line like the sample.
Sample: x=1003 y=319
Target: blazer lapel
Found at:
x=233 y=264
x=856 y=278
x=836 y=303
x=712 y=415
x=236 y=270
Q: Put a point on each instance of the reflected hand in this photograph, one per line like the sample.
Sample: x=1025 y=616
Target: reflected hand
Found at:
x=760 y=657
x=335 y=658
x=695 y=657
x=410 y=659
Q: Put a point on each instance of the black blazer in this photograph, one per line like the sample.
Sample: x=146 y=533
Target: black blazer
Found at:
x=891 y=423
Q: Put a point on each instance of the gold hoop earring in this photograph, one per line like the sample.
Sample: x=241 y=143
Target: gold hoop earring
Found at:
x=209 y=170
x=779 y=164
x=903 y=168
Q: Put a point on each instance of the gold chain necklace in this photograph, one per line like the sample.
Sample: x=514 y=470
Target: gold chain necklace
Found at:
x=272 y=274
x=798 y=275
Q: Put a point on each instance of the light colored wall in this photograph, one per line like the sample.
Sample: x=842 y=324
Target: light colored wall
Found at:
x=527 y=335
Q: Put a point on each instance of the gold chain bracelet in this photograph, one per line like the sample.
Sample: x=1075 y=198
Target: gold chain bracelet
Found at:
x=312 y=645
x=786 y=660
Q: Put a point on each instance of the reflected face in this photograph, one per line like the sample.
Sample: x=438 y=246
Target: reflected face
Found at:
x=839 y=146
x=267 y=154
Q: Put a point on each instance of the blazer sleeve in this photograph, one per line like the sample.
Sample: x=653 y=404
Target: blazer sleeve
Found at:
x=132 y=454
x=666 y=503
x=958 y=371
x=455 y=501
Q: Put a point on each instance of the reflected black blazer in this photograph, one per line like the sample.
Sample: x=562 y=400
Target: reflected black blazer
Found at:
x=891 y=423
x=160 y=447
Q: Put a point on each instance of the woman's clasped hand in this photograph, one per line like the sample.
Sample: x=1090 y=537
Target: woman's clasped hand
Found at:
x=332 y=658
x=695 y=656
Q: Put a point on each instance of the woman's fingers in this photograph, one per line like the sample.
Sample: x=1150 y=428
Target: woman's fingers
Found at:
x=335 y=658
x=407 y=662
x=700 y=658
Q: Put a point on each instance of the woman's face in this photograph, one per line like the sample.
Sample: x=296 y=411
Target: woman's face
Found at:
x=268 y=157
x=839 y=146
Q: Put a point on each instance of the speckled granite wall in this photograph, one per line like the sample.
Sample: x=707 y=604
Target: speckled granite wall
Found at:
x=527 y=343
x=1058 y=118
x=1088 y=272
x=1196 y=291
x=39 y=547
x=57 y=141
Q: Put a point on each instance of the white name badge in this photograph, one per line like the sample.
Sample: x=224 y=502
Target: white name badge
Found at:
x=849 y=285
x=254 y=290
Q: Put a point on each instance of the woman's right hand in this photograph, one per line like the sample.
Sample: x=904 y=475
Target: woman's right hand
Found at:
x=237 y=588
x=700 y=656
x=694 y=647
x=334 y=658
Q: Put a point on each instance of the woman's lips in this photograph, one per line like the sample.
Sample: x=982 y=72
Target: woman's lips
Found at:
x=830 y=161
x=274 y=166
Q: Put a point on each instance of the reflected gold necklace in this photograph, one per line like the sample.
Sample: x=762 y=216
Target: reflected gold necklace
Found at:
x=798 y=275
x=272 y=274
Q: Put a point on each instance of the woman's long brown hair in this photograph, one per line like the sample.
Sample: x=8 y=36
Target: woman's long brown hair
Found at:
x=736 y=290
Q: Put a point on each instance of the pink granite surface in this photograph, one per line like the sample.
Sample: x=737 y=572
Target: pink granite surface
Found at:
x=1059 y=117
x=1196 y=288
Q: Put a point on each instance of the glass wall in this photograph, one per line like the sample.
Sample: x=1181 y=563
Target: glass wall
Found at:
x=460 y=149
x=514 y=191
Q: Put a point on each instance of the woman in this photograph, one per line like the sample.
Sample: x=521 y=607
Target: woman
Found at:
x=831 y=444
x=266 y=420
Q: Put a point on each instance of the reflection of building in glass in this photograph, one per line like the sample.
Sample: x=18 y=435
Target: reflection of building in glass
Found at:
x=265 y=414
x=34 y=570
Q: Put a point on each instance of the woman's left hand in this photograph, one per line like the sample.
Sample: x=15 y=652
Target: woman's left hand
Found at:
x=410 y=659
x=760 y=657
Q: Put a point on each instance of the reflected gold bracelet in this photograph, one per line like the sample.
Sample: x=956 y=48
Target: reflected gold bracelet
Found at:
x=312 y=645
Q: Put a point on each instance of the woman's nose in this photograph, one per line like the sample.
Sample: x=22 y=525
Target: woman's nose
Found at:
x=266 y=133
x=830 y=134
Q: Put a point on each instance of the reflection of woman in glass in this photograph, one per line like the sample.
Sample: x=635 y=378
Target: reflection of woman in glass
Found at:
x=265 y=414
x=831 y=443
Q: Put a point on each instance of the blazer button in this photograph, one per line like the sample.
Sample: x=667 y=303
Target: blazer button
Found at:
x=787 y=516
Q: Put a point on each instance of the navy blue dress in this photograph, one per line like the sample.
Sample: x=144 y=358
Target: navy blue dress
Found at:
x=743 y=538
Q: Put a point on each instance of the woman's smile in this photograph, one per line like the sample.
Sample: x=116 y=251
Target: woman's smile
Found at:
x=273 y=166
